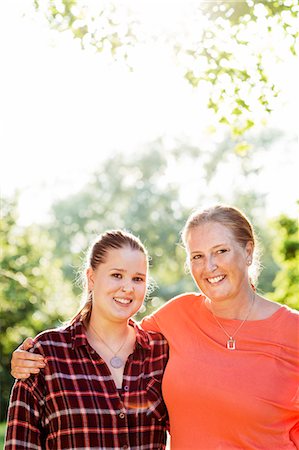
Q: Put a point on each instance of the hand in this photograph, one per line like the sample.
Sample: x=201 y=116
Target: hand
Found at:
x=24 y=363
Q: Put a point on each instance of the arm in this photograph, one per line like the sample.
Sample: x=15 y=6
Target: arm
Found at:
x=24 y=363
x=24 y=416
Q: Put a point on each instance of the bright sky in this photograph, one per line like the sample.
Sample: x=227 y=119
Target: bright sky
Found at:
x=63 y=110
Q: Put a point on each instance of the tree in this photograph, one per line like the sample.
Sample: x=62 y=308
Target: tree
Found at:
x=146 y=193
x=132 y=193
x=226 y=49
x=235 y=49
x=33 y=294
x=286 y=254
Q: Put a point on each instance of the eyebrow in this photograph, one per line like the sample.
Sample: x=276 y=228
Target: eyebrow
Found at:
x=123 y=270
x=215 y=246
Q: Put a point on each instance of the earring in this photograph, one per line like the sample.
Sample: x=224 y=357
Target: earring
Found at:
x=249 y=261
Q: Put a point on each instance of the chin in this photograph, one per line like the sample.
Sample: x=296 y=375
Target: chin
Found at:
x=216 y=296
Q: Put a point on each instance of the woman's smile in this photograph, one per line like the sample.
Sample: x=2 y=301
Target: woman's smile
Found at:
x=216 y=280
x=122 y=301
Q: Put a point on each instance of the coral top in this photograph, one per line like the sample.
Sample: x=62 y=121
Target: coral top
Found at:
x=218 y=398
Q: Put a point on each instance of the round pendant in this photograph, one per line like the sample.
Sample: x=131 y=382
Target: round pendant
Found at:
x=116 y=362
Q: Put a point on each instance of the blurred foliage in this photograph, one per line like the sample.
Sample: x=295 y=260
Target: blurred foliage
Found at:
x=33 y=295
x=132 y=193
x=2 y=434
x=137 y=192
x=222 y=46
x=286 y=253
x=142 y=193
x=231 y=59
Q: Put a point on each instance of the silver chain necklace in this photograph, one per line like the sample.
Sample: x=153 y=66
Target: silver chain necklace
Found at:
x=231 y=342
x=116 y=362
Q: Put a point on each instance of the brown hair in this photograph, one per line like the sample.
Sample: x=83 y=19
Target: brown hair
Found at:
x=234 y=220
x=96 y=255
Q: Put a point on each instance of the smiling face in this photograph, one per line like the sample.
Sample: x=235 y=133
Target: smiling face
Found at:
x=118 y=284
x=218 y=263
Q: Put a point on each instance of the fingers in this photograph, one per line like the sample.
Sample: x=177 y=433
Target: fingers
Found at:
x=22 y=374
x=27 y=344
x=26 y=369
x=22 y=368
x=21 y=357
x=24 y=363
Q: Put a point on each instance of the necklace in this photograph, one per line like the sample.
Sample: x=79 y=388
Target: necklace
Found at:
x=116 y=362
x=231 y=342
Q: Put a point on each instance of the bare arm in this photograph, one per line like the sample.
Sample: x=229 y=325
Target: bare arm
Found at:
x=24 y=363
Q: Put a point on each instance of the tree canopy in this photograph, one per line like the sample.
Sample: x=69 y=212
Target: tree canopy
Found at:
x=226 y=49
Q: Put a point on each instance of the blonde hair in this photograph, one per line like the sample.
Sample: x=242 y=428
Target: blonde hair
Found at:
x=233 y=219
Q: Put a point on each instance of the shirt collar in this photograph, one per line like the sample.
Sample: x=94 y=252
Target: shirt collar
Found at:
x=79 y=338
x=142 y=337
x=78 y=333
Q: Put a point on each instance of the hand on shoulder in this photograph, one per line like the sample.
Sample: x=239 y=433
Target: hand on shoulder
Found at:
x=25 y=363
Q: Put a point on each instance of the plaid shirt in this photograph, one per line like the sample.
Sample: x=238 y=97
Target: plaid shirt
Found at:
x=73 y=403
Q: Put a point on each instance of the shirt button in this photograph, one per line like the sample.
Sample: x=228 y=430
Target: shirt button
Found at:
x=125 y=447
x=121 y=416
x=126 y=388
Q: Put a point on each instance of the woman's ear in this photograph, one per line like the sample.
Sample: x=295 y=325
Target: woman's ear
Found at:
x=90 y=278
x=249 y=251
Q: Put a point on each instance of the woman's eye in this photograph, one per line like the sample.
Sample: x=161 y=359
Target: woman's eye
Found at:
x=196 y=256
x=138 y=279
x=117 y=275
x=222 y=250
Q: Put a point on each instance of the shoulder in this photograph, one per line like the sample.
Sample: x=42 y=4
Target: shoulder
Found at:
x=148 y=337
x=282 y=319
x=286 y=322
x=270 y=309
x=182 y=301
x=54 y=334
x=173 y=314
x=48 y=339
x=289 y=315
x=152 y=341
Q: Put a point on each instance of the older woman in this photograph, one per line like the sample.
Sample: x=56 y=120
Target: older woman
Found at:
x=232 y=377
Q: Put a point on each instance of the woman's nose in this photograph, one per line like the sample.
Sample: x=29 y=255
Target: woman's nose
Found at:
x=211 y=264
x=127 y=287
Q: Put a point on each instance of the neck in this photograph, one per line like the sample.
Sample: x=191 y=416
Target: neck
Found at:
x=235 y=308
x=110 y=331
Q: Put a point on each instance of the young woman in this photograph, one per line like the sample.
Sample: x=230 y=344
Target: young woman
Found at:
x=101 y=386
x=232 y=377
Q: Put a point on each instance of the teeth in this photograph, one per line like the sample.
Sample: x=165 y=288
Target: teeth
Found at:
x=124 y=301
x=215 y=279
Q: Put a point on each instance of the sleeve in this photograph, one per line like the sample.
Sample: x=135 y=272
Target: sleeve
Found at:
x=24 y=418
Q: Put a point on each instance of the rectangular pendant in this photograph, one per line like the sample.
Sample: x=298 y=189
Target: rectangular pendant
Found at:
x=231 y=344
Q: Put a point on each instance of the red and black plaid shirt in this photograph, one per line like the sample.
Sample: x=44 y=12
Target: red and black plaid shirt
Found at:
x=74 y=404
